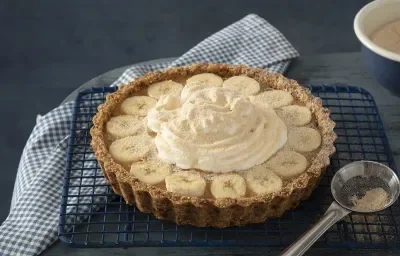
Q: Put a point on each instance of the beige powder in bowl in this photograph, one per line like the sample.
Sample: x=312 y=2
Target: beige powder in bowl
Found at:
x=374 y=199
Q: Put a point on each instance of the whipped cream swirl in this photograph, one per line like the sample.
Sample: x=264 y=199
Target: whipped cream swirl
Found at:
x=214 y=129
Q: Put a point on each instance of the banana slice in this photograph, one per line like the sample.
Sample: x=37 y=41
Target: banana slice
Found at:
x=185 y=184
x=246 y=85
x=295 y=115
x=138 y=105
x=228 y=186
x=124 y=126
x=262 y=180
x=151 y=171
x=288 y=164
x=273 y=98
x=164 y=87
x=130 y=149
x=304 y=139
x=207 y=79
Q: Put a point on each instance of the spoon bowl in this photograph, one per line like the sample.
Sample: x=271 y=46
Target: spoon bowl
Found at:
x=379 y=176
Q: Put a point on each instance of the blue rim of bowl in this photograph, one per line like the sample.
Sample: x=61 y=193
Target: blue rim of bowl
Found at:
x=364 y=39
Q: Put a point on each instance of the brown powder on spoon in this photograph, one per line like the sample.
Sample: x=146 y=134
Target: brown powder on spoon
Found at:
x=374 y=199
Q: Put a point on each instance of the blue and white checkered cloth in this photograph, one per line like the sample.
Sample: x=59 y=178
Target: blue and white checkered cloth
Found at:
x=32 y=223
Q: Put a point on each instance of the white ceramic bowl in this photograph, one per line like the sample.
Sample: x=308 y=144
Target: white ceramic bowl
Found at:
x=385 y=65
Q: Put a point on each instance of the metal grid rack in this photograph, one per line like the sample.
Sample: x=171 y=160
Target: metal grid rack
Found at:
x=93 y=216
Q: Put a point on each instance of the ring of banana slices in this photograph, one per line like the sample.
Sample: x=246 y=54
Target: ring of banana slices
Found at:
x=134 y=144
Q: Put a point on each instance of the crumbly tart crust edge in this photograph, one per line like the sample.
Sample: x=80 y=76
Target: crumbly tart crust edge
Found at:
x=204 y=212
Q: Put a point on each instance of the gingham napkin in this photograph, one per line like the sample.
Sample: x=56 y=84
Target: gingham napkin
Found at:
x=33 y=220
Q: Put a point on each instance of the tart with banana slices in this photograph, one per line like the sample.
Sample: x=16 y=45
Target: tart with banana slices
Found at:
x=213 y=144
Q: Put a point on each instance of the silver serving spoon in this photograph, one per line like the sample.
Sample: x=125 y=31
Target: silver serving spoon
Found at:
x=351 y=180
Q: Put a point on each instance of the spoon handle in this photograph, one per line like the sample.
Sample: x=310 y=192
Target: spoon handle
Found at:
x=334 y=213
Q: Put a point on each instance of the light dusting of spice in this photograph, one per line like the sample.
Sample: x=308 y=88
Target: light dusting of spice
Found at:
x=365 y=193
x=374 y=199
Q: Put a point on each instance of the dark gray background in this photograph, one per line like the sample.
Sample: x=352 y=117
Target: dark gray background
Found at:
x=48 y=48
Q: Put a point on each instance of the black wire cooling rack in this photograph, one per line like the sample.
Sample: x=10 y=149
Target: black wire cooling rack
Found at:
x=93 y=216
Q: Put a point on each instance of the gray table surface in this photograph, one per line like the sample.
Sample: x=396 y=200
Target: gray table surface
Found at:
x=345 y=68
